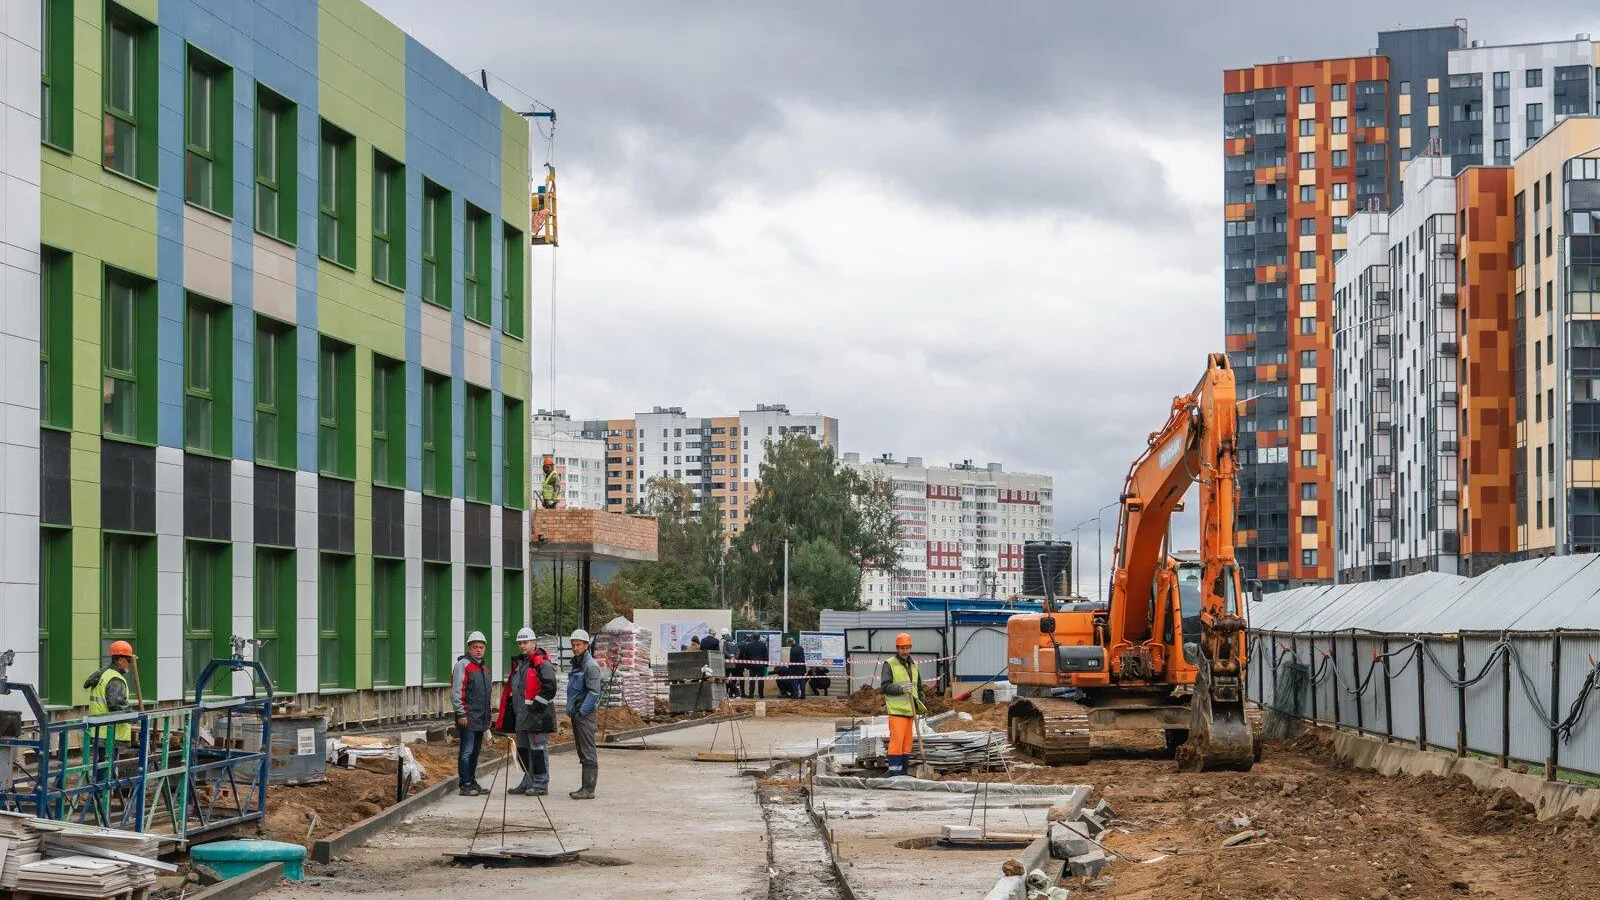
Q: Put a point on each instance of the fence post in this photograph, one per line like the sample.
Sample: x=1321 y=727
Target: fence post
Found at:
x=1272 y=639
x=1505 y=704
x=1311 y=652
x=1551 y=765
x=1333 y=672
x=1461 y=696
x=1388 y=707
x=1422 y=697
x=1355 y=671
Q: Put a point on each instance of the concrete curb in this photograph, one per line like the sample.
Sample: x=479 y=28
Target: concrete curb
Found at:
x=1015 y=887
x=242 y=887
x=1549 y=798
x=334 y=845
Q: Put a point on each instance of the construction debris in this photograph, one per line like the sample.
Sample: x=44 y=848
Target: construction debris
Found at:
x=951 y=751
x=1040 y=887
x=1244 y=837
x=1088 y=864
x=66 y=859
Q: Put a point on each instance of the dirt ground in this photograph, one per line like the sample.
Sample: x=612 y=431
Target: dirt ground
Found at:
x=349 y=795
x=1333 y=832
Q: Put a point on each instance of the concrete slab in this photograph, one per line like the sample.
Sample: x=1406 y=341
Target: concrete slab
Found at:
x=674 y=821
x=869 y=827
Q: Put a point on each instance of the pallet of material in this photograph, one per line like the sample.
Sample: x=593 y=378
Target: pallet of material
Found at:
x=82 y=876
x=951 y=751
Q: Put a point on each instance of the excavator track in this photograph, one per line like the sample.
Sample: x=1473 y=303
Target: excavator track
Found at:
x=1055 y=732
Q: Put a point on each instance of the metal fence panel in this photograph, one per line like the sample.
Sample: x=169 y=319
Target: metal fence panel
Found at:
x=980 y=652
x=1401 y=699
x=1441 y=700
x=1530 y=739
x=1484 y=700
x=1582 y=748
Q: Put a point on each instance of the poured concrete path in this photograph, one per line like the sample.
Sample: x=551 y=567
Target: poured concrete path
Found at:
x=684 y=828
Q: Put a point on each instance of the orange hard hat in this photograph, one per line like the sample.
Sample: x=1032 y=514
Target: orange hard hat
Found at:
x=902 y=640
x=548 y=462
x=120 y=648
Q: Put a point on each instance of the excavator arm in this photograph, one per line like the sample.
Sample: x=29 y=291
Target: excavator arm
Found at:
x=1197 y=446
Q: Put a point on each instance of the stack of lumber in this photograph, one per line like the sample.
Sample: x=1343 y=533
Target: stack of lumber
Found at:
x=82 y=876
x=18 y=847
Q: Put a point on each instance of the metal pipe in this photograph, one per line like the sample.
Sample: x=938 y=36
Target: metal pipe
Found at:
x=1505 y=708
x=1552 y=765
x=1461 y=696
x=1355 y=670
x=1388 y=707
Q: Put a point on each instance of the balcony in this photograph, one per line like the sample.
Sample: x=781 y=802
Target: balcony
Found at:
x=1447 y=446
x=1448 y=298
x=1448 y=348
x=1448 y=249
x=1383 y=512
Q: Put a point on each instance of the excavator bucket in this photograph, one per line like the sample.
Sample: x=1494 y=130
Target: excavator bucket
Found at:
x=1221 y=736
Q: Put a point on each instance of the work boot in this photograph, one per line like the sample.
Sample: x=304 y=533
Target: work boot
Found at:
x=586 y=792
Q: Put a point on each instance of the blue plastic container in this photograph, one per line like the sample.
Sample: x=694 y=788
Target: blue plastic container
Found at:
x=231 y=858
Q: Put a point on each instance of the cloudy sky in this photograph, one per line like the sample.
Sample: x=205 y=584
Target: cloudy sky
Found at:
x=985 y=231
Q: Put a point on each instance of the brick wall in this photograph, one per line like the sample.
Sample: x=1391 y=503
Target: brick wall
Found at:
x=592 y=526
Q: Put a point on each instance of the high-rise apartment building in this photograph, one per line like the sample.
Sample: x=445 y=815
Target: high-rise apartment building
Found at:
x=719 y=456
x=1307 y=145
x=580 y=461
x=272 y=264
x=964 y=527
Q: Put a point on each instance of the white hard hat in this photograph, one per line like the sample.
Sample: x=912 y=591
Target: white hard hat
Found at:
x=724 y=633
x=477 y=638
x=580 y=635
x=525 y=634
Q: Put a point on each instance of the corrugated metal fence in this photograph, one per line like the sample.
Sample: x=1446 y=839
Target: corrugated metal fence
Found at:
x=1503 y=665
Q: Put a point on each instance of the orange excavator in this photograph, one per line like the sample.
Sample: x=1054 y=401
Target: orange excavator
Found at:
x=1167 y=652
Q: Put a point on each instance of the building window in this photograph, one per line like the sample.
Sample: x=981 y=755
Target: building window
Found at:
x=1308 y=490
x=1341 y=159
x=1340 y=91
x=1308 y=259
x=128 y=353
x=55 y=338
x=1308 y=459
x=276 y=365
x=208 y=134
x=513 y=611
x=1308 y=524
x=1501 y=81
x=1308 y=325
x=1308 y=425
x=336 y=197
x=55 y=614
x=1341 y=224
x=435 y=244
x=1341 y=190
x=1405 y=87
x=436 y=408
x=127 y=573
x=1308 y=359
x=1308 y=225
x=388 y=621
x=1502 y=115
x=478 y=283
x=129 y=93
x=388 y=221
x=55 y=77
x=479 y=606
x=207 y=609
x=388 y=421
x=1502 y=152
x=336 y=409
x=336 y=619
x=1308 y=193
x=275 y=165
x=436 y=622
x=476 y=442
x=1534 y=78
x=513 y=281
x=1433 y=98
x=208 y=378
x=1308 y=127
x=1341 y=124
x=1308 y=557
x=1308 y=160
x=1308 y=94
x=514 y=457
x=275 y=610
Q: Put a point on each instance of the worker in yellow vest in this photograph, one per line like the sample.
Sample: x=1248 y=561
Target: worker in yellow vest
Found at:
x=902 y=699
x=108 y=693
x=550 y=492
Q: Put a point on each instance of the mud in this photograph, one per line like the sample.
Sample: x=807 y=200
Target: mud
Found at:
x=303 y=814
x=799 y=865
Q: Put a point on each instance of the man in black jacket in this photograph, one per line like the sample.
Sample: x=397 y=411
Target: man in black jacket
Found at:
x=530 y=694
x=754 y=651
x=469 y=697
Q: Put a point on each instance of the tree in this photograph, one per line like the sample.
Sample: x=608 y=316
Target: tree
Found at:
x=808 y=499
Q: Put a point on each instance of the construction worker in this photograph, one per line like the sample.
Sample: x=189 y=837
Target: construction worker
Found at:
x=527 y=709
x=902 y=699
x=469 y=696
x=108 y=693
x=583 y=705
x=550 y=493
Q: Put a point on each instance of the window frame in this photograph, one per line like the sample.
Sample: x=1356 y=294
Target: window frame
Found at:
x=437 y=645
x=514 y=457
x=436 y=246
x=277 y=654
x=513 y=611
x=336 y=380
x=139 y=581
x=139 y=376
x=513 y=282
x=55 y=615
x=141 y=115
x=55 y=338
x=477 y=445
x=282 y=185
x=388 y=421
x=280 y=402
x=213 y=400
x=215 y=558
x=478 y=607
x=56 y=70
x=336 y=207
x=437 y=404
x=216 y=154
x=336 y=601
x=389 y=222
x=477 y=271
x=388 y=621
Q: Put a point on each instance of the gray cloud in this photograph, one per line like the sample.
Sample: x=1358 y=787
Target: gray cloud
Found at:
x=980 y=231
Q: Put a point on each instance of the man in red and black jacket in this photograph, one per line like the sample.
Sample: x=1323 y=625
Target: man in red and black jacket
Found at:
x=469 y=696
x=527 y=710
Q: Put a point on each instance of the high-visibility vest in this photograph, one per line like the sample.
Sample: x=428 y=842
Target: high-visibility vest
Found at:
x=902 y=704
x=122 y=731
x=552 y=487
